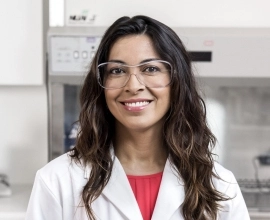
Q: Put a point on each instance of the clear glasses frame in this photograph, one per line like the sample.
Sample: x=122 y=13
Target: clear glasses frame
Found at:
x=152 y=74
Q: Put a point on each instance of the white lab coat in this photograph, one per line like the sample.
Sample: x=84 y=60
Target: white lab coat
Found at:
x=57 y=190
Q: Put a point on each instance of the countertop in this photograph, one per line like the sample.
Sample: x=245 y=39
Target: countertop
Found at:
x=14 y=207
x=255 y=215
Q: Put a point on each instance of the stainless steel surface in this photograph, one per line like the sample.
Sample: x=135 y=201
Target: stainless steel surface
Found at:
x=64 y=111
x=56 y=120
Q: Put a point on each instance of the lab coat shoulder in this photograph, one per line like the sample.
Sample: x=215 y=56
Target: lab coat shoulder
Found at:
x=59 y=173
x=56 y=168
x=224 y=178
x=56 y=190
x=234 y=208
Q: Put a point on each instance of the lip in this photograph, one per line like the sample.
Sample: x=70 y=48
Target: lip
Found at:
x=135 y=105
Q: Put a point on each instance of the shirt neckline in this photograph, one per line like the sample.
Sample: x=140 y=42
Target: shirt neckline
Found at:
x=145 y=176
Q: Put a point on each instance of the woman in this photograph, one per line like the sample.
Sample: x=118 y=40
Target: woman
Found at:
x=144 y=147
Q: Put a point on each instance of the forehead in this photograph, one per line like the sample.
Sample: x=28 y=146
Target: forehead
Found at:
x=133 y=49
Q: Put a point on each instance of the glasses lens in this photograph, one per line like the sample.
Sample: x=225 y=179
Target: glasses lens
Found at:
x=153 y=74
x=113 y=75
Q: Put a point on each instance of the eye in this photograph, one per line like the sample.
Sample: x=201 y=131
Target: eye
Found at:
x=151 y=70
x=116 y=71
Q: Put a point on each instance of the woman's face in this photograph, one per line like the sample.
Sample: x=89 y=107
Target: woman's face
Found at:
x=135 y=106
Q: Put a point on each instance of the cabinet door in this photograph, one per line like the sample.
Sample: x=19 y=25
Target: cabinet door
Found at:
x=22 y=42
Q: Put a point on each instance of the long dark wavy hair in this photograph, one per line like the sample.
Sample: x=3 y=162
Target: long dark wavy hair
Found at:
x=187 y=137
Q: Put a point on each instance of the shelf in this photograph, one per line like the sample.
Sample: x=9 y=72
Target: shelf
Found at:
x=14 y=207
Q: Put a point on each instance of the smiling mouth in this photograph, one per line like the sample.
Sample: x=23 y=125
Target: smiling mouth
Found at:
x=136 y=104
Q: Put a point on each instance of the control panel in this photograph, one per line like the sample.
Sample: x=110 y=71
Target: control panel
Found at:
x=71 y=55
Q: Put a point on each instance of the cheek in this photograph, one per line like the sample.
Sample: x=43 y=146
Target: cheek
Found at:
x=166 y=97
x=168 y=100
x=163 y=100
x=110 y=98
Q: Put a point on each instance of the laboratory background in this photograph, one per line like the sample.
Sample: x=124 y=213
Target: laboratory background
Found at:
x=47 y=46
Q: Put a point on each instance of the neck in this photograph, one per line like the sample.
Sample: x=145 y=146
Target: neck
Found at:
x=140 y=152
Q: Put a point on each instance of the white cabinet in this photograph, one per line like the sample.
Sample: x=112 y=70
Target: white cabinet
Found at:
x=23 y=26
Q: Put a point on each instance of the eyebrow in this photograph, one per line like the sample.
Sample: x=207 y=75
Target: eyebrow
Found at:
x=143 y=61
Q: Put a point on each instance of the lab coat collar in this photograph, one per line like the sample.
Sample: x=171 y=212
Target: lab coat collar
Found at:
x=119 y=192
x=170 y=196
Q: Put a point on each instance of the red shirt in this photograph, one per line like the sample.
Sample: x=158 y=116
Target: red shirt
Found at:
x=145 y=189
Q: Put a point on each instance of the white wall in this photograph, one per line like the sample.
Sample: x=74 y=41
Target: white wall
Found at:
x=22 y=58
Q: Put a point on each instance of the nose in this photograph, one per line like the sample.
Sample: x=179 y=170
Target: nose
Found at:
x=134 y=84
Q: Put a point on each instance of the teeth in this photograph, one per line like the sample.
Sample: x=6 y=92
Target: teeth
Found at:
x=135 y=104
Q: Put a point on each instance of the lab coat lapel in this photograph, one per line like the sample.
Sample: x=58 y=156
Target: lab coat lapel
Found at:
x=119 y=192
x=171 y=194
